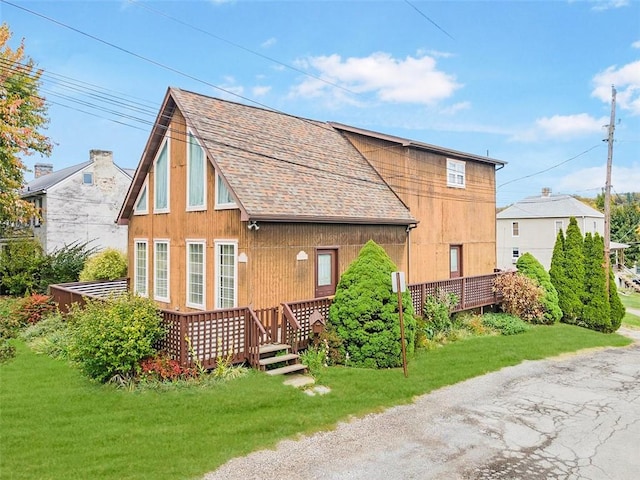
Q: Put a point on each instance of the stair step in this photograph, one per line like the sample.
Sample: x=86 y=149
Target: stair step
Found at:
x=278 y=359
x=288 y=369
x=273 y=347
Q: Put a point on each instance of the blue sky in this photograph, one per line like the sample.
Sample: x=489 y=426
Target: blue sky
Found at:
x=526 y=82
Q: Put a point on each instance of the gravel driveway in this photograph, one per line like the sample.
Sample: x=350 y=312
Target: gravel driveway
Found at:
x=570 y=417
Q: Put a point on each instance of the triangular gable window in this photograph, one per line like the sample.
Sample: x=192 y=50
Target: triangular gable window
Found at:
x=142 y=203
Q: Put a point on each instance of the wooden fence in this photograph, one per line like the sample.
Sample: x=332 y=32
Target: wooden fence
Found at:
x=238 y=333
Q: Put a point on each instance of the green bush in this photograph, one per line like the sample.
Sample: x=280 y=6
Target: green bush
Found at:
x=596 y=313
x=617 y=309
x=504 y=323
x=573 y=272
x=437 y=313
x=50 y=336
x=109 y=264
x=110 y=338
x=528 y=265
x=20 y=263
x=63 y=265
x=364 y=312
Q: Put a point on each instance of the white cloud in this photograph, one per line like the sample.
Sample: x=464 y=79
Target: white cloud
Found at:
x=627 y=82
x=564 y=127
x=269 y=43
x=601 y=5
x=455 y=108
x=260 y=91
x=409 y=80
x=636 y=44
x=623 y=179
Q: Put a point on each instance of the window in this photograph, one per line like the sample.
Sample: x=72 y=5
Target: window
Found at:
x=195 y=274
x=196 y=175
x=559 y=226
x=161 y=185
x=140 y=273
x=515 y=229
x=142 y=202
x=455 y=173
x=37 y=202
x=223 y=195
x=515 y=254
x=161 y=270
x=87 y=178
x=226 y=274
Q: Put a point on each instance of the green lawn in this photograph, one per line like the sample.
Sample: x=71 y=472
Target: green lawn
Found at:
x=55 y=424
x=631 y=301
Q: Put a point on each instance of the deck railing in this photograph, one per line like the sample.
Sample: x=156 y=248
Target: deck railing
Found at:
x=472 y=292
x=238 y=333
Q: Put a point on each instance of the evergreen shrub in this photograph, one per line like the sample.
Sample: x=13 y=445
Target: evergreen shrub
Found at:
x=108 y=264
x=364 y=312
x=529 y=266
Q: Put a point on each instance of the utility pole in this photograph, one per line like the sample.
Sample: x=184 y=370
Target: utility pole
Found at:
x=607 y=191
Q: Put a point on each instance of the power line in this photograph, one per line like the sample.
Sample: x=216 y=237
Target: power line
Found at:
x=431 y=21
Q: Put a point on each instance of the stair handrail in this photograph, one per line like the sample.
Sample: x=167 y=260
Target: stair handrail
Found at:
x=256 y=333
x=291 y=319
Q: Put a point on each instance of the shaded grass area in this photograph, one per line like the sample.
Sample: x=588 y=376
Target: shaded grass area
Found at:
x=55 y=424
x=631 y=301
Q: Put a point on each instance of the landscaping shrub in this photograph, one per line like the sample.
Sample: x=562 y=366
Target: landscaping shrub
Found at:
x=567 y=273
x=617 y=309
x=31 y=309
x=109 y=264
x=474 y=324
x=529 y=266
x=9 y=328
x=365 y=312
x=504 y=323
x=50 y=336
x=595 y=313
x=20 y=263
x=520 y=296
x=162 y=368
x=315 y=357
x=63 y=265
x=437 y=312
x=112 y=337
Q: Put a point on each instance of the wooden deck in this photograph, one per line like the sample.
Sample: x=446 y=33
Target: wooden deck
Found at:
x=238 y=333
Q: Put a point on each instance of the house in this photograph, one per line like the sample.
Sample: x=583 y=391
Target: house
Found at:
x=237 y=205
x=79 y=203
x=532 y=225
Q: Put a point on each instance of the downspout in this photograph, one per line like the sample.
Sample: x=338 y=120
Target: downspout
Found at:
x=409 y=228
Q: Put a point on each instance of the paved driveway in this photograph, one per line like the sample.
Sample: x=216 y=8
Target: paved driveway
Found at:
x=572 y=417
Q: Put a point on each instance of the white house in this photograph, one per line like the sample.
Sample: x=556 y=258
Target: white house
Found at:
x=532 y=225
x=80 y=203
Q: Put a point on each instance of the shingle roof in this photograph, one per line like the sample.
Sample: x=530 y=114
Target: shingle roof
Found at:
x=41 y=184
x=552 y=206
x=286 y=168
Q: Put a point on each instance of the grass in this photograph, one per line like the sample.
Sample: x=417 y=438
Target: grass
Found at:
x=631 y=301
x=55 y=424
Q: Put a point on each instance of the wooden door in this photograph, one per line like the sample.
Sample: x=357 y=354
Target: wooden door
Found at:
x=455 y=261
x=326 y=271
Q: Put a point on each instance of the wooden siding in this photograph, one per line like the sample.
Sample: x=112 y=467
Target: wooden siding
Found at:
x=272 y=273
x=447 y=215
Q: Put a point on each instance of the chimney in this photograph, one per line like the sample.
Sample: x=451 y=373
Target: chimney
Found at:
x=102 y=157
x=41 y=169
x=546 y=192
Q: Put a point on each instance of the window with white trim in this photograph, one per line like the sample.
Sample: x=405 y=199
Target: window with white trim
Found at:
x=223 y=195
x=161 y=180
x=455 y=173
x=226 y=274
x=515 y=254
x=142 y=202
x=196 y=175
x=559 y=225
x=515 y=229
x=161 y=270
x=196 y=274
x=87 y=178
x=140 y=265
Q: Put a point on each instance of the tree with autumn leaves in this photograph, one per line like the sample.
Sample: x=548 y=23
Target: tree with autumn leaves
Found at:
x=22 y=117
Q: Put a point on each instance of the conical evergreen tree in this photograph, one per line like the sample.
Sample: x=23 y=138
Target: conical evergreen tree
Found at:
x=574 y=272
x=616 y=307
x=557 y=273
x=364 y=312
x=595 y=312
x=530 y=266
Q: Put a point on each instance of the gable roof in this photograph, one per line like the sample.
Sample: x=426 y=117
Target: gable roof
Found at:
x=41 y=184
x=550 y=206
x=405 y=142
x=278 y=167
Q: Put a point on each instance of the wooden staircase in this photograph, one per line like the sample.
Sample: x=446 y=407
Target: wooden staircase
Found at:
x=277 y=353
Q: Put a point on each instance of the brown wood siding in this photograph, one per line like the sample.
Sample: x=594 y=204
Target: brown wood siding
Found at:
x=271 y=274
x=447 y=215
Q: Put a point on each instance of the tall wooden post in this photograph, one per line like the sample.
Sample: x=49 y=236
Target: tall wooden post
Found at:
x=400 y=315
x=607 y=191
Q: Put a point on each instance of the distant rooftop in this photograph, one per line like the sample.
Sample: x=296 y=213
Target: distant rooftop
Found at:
x=549 y=206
